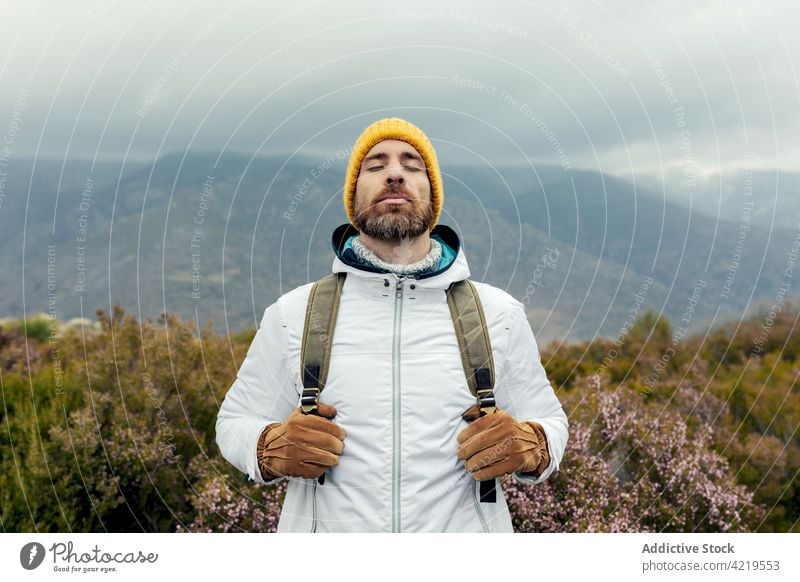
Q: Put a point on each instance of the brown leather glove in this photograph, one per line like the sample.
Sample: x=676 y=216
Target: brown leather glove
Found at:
x=496 y=445
x=305 y=445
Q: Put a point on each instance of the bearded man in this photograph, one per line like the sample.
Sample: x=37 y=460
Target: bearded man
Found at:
x=396 y=442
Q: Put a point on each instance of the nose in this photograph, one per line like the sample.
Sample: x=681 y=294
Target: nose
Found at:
x=395 y=175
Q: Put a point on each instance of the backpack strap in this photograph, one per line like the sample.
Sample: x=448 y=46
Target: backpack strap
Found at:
x=315 y=352
x=476 y=354
x=473 y=341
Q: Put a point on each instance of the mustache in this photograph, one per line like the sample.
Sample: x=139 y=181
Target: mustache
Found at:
x=394 y=192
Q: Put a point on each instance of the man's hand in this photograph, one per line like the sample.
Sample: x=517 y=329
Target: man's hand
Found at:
x=496 y=445
x=305 y=445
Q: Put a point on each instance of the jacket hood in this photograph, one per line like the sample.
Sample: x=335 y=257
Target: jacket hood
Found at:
x=449 y=271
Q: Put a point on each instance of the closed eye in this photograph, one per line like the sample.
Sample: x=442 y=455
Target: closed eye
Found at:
x=412 y=168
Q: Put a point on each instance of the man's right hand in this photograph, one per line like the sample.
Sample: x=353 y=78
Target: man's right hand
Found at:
x=305 y=445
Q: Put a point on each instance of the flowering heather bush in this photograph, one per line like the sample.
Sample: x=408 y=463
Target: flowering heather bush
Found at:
x=631 y=465
x=221 y=507
x=564 y=503
x=119 y=435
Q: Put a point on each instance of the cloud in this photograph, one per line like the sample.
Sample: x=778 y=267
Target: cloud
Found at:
x=618 y=86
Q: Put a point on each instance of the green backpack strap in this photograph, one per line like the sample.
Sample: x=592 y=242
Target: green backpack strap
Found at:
x=473 y=341
x=476 y=355
x=315 y=352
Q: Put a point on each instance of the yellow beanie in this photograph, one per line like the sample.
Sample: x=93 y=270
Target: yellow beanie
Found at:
x=393 y=128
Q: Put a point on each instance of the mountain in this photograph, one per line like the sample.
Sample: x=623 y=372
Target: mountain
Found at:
x=768 y=198
x=221 y=238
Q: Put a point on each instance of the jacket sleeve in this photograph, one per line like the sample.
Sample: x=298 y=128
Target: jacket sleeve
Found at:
x=263 y=392
x=524 y=391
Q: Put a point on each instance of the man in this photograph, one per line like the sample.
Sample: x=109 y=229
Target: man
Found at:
x=398 y=435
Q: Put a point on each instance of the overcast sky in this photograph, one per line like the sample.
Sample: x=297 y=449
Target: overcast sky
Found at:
x=614 y=86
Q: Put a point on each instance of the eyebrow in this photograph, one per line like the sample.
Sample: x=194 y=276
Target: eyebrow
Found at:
x=383 y=156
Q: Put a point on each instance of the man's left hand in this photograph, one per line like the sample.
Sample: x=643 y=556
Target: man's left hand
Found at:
x=496 y=445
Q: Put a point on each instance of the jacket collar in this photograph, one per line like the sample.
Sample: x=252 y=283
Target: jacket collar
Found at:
x=346 y=260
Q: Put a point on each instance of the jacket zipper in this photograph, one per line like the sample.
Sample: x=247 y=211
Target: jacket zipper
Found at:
x=314 y=507
x=478 y=509
x=398 y=312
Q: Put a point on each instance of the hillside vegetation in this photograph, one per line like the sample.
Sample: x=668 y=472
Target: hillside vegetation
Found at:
x=109 y=426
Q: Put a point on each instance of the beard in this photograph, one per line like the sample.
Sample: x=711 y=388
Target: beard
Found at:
x=394 y=222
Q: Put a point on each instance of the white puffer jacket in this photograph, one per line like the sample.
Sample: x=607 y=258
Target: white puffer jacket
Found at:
x=398 y=385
